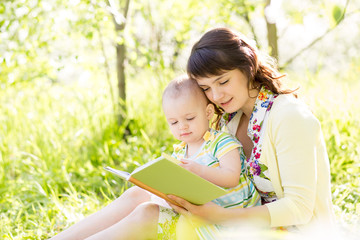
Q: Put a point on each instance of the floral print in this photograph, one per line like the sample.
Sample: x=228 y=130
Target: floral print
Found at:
x=256 y=170
x=226 y=118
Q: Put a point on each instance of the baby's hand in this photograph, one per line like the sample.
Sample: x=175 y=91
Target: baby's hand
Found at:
x=192 y=166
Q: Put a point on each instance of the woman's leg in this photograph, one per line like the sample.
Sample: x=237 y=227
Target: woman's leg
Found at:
x=142 y=223
x=111 y=214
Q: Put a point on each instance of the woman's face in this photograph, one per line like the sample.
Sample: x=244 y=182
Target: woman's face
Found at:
x=229 y=91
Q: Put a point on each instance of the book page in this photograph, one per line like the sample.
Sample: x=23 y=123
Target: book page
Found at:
x=124 y=175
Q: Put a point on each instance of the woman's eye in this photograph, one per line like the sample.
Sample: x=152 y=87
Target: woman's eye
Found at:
x=224 y=82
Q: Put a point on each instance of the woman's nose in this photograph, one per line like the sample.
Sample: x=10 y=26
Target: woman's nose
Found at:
x=216 y=95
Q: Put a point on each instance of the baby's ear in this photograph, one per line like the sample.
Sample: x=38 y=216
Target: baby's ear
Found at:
x=210 y=110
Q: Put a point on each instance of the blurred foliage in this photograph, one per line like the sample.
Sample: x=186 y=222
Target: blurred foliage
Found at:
x=39 y=38
x=57 y=128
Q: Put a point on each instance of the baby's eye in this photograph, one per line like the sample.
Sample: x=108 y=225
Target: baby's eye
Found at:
x=205 y=89
x=189 y=119
x=173 y=123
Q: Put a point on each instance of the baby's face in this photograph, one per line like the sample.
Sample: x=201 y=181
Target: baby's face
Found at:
x=187 y=117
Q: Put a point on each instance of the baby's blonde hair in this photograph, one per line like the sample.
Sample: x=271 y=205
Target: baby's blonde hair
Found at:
x=181 y=85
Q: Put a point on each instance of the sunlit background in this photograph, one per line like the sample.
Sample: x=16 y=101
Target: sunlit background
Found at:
x=63 y=116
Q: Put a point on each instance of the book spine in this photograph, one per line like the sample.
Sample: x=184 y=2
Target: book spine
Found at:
x=152 y=190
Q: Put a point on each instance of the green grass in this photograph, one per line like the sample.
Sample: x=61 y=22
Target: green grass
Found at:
x=55 y=139
x=334 y=100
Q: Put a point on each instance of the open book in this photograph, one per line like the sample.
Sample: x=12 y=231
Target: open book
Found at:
x=163 y=176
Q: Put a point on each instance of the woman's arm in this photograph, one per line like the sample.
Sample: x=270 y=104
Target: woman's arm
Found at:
x=215 y=214
x=294 y=133
x=226 y=175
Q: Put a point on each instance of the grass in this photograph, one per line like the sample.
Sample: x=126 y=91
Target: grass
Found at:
x=55 y=139
x=336 y=106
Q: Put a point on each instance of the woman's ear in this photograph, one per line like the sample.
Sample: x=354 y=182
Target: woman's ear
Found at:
x=210 y=110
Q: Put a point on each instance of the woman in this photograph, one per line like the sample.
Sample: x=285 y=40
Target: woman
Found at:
x=283 y=143
x=282 y=140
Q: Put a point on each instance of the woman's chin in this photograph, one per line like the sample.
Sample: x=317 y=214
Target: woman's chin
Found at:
x=229 y=109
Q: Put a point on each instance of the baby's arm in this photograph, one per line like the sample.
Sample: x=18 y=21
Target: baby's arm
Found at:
x=226 y=175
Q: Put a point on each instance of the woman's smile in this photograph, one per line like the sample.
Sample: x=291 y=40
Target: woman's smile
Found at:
x=226 y=103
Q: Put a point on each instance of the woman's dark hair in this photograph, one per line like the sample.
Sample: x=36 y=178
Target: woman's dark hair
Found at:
x=221 y=50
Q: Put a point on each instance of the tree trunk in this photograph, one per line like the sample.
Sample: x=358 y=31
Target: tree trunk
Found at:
x=120 y=23
x=272 y=35
x=120 y=59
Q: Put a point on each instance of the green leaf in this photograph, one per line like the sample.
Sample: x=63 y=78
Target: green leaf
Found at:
x=263 y=167
x=337 y=14
x=2 y=8
x=89 y=35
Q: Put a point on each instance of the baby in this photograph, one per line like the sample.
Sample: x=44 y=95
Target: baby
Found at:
x=213 y=155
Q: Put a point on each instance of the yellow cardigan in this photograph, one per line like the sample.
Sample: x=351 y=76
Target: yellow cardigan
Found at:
x=295 y=153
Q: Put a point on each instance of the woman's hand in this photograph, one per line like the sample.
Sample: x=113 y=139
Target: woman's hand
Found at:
x=209 y=212
x=215 y=214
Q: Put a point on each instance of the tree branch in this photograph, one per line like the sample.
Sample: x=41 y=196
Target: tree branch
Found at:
x=118 y=18
x=247 y=19
x=291 y=59
x=126 y=8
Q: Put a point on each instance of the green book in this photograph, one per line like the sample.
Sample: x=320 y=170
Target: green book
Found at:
x=163 y=176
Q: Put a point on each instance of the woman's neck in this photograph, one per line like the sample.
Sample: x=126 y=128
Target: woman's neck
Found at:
x=250 y=103
x=241 y=135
